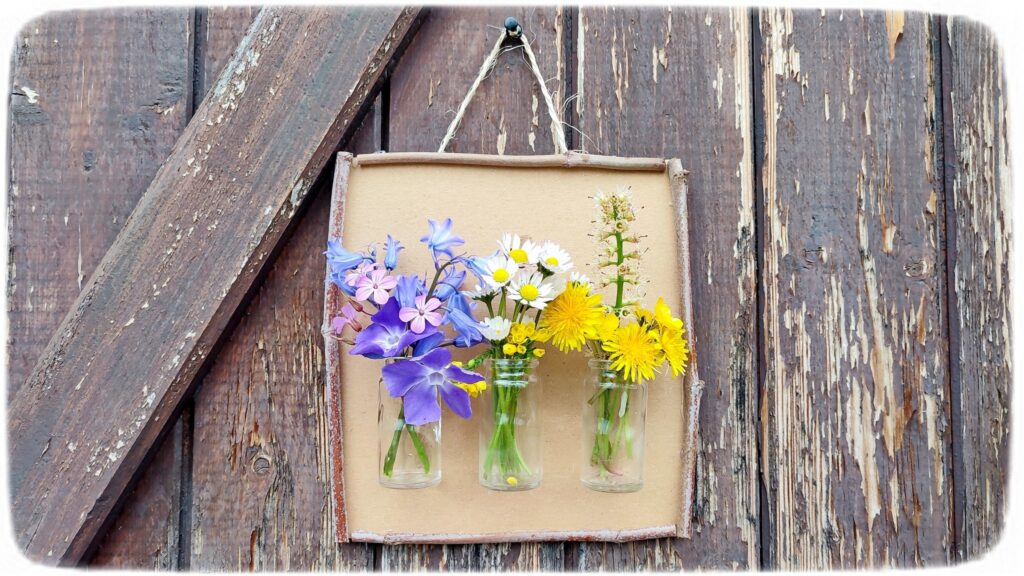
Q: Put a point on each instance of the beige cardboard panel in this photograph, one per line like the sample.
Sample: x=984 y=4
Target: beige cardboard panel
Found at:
x=484 y=202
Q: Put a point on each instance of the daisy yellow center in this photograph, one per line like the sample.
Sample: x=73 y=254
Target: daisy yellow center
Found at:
x=529 y=292
x=519 y=255
x=501 y=275
x=552 y=260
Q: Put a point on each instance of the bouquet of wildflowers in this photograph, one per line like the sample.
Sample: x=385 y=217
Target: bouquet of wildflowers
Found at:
x=410 y=321
x=628 y=342
x=516 y=285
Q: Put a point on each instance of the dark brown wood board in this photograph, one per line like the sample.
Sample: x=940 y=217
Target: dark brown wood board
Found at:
x=80 y=159
x=47 y=415
x=138 y=530
x=233 y=526
x=854 y=407
x=978 y=191
x=687 y=72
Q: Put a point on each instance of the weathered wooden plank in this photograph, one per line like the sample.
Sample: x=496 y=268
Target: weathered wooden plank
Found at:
x=146 y=534
x=138 y=528
x=978 y=190
x=98 y=99
x=260 y=472
x=687 y=72
x=218 y=32
x=854 y=407
x=260 y=475
x=506 y=117
x=160 y=299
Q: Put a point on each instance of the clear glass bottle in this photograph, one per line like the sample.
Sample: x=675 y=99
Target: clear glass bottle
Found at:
x=510 y=434
x=614 y=417
x=409 y=456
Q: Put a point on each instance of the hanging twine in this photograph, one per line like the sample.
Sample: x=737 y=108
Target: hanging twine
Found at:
x=512 y=30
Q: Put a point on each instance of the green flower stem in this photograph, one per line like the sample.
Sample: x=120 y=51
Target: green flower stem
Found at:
x=417 y=442
x=620 y=280
x=503 y=449
x=389 y=458
x=612 y=429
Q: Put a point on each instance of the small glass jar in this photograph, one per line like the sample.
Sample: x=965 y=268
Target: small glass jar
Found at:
x=510 y=434
x=409 y=456
x=614 y=415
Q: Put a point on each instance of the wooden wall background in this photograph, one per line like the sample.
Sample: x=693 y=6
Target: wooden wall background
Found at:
x=850 y=181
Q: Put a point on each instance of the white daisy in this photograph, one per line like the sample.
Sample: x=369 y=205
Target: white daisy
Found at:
x=481 y=292
x=522 y=251
x=532 y=291
x=579 y=278
x=553 y=258
x=499 y=270
x=495 y=329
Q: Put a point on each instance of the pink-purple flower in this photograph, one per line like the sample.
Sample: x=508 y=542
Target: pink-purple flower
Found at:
x=422 y=313
x=375 y=286
x=348 y=317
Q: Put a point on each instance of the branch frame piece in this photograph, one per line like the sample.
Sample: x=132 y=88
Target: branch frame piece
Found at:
x=365 y=512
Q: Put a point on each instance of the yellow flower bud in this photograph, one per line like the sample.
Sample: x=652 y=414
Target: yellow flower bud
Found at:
x=509 y=349
x=538 y=352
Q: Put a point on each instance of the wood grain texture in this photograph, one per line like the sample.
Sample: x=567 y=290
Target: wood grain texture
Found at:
x=260 y=479
x=854 y=410
x=218 y=32
x=137 y=534
x=160 y=297
x=687 y=71
x=978 y=189
x=507 y=114
x=505 y=117
x=260 y=476
x=98 y=100
x=146 y=534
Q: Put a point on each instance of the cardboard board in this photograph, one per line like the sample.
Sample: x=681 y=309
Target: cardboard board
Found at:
x=548 y=197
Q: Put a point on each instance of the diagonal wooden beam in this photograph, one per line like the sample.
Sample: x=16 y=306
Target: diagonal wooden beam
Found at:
x=132 y=347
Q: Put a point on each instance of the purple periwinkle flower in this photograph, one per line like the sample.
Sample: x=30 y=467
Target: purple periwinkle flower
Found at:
x=375 y=287
x=441 y=240
x=421 y=313
x=391 y=249
x=419 y=380
x=388 y=335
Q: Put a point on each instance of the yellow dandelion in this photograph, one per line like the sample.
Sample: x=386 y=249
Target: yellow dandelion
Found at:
x=571 y=316
x=604 y=329
x=633 y=352
x=675 y=348
x=663 y=316
x=644 y=315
